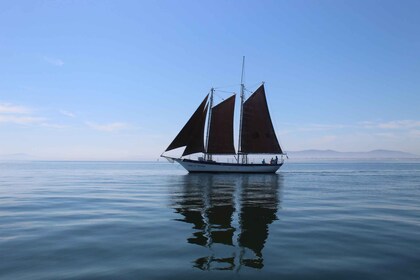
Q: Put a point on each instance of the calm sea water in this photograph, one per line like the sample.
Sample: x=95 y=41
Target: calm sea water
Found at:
x=125 y=220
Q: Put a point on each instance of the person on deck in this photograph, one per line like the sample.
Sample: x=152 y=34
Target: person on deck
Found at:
x=277 y=159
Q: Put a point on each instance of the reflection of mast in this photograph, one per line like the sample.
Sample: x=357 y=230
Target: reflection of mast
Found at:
x=208 y=203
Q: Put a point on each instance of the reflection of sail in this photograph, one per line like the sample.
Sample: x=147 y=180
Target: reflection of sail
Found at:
x=259 y=202
x=190 y=206
x=230 y=214
x=219 y=213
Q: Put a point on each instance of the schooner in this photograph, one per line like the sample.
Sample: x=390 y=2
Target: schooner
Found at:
x=256 y=135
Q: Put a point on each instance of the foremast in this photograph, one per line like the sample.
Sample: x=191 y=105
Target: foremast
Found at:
x=244 y=156
x=208 y=156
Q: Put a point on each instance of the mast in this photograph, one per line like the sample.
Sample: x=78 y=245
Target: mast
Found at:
x=206 y=155
x=240 y=117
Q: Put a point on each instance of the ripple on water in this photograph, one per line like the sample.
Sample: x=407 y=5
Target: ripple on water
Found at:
x=152 y=221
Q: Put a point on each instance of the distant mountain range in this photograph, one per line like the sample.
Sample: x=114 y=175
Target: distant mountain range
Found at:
x=331 y=154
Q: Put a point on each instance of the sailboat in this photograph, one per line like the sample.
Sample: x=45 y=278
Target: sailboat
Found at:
x=256 y=135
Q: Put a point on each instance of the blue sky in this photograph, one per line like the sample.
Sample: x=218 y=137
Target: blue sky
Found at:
x=118 y=79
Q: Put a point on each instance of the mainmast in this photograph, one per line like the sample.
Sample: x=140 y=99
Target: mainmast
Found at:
x=207 y=156
x=244 y=157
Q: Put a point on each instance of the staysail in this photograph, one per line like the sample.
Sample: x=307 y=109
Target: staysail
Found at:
x=191 y=128
x=221 y=128
x=257 y=133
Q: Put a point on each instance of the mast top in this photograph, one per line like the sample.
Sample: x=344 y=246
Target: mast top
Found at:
x=243 y=68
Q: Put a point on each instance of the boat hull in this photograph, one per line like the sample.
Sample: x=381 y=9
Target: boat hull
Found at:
x=195 y=166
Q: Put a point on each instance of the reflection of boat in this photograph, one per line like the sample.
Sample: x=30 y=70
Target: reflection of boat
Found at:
x=256 y=135
x=230 y=216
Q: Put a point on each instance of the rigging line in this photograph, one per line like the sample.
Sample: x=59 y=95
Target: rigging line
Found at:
x=218 y=96
x=235 y=85
x=250 y=91
x=254 y=85
x=226 y=91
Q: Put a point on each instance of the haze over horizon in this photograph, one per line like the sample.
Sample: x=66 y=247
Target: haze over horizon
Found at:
x=107 y=80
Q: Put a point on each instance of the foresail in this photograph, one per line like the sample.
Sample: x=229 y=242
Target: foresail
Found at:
x=196 y=141
x=221 y=128
x=258 y=135
x=184 y=136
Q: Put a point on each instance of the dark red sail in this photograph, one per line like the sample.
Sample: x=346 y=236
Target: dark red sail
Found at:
x=196 y=141
x=258 y=135
x=184 y=136
x=221 y=128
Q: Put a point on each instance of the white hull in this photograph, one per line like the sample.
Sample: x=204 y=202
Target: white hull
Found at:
x=217 y=167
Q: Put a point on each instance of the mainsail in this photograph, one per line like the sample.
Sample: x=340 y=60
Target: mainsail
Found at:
x=191 y=129
x=221 y=128
x=257 y=133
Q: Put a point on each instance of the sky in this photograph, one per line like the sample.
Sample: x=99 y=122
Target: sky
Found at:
x=117 y=80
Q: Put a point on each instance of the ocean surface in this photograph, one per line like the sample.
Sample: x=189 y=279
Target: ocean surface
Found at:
x=151 y=220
